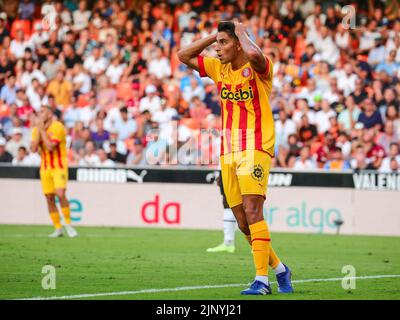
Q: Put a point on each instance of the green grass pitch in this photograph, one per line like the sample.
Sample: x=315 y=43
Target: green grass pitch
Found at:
x=114 y=260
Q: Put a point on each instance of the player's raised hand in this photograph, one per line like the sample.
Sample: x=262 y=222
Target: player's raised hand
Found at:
x=40 y=122
x=239 y=28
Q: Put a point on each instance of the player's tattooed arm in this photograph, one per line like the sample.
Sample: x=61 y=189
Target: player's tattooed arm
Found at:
x=188 y=55
x=251 y=49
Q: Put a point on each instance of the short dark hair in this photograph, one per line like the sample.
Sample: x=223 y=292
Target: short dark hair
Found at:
x=228 y=27
x=124 y=110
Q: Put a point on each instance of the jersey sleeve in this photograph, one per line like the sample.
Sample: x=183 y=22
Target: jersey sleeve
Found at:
x=57 y=133
x=209 y=67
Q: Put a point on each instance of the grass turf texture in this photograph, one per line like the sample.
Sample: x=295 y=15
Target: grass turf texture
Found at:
x=129 y=259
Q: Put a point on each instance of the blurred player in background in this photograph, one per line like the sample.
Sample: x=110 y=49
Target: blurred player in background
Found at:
x=229 y=225
x=244 y=75
x=49 y=137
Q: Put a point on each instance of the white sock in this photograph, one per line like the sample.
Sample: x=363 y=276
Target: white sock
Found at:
x=263 y=279
x=229 y=227
x=280 y=268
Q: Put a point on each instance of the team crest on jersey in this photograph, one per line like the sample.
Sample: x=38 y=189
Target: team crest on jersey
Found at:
x=258 y=172
x=246 y=72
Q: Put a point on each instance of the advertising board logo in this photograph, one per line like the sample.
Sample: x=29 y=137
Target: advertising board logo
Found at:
x=153 y=212
x=76 y=209
x=109 y=175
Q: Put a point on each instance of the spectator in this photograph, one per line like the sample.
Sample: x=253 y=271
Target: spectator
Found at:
x=165 y=114
x=212 y=101
x=80 y=135
x=36 y=95
x=304 y=161
x=370 y=117
x=359 y=94
x=114 y=155
x=3 y=30
x=95 y=64
x=5 y=156
x=190 y=33
x=150 y=101
x=393 y=156
x=81 y=17
x=136 y=155
x=307 y=132
x=310 y=92
x=185 y=16
x=99 y=136
x=327 y=47
x=344 y=144
x=103 y=159
x=388 y=136
x=322 y=117
x=38 y=37
x=284 y=127
x=61 y=89
x=106 y=95
x=342 y=37
x=85 y=44
x=121 y=146
x=194 y=90
x=31 y=71
x=347 y=79
x=336 y=161
x=390 y=66
x=159 y=66
x=8 y=92
x=377 y=54
x=126 y=126
x=22 y=158
x=389 y=98
x=81 y=81
x=115 y=70
x=349 y=116
x=359 y=160
x=374 y=152
x=90 y=157
x=16 y=141
x=50 y=66
x=19 y=44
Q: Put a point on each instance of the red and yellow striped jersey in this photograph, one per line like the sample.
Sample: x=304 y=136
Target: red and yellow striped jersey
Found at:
x=247 y=122
x=57 y=158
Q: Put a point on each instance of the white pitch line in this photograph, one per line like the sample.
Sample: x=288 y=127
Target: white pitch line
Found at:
x=44 y=235
x=120 y=293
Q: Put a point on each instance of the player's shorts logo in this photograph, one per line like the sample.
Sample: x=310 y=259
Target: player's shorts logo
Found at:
x=246 y=72
x=258 y=172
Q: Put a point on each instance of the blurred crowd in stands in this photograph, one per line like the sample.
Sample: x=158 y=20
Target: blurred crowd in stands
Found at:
x=110 y=72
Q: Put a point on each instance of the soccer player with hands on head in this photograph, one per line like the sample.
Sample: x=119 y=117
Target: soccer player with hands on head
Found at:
x=243 y=75
x=49 y=138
